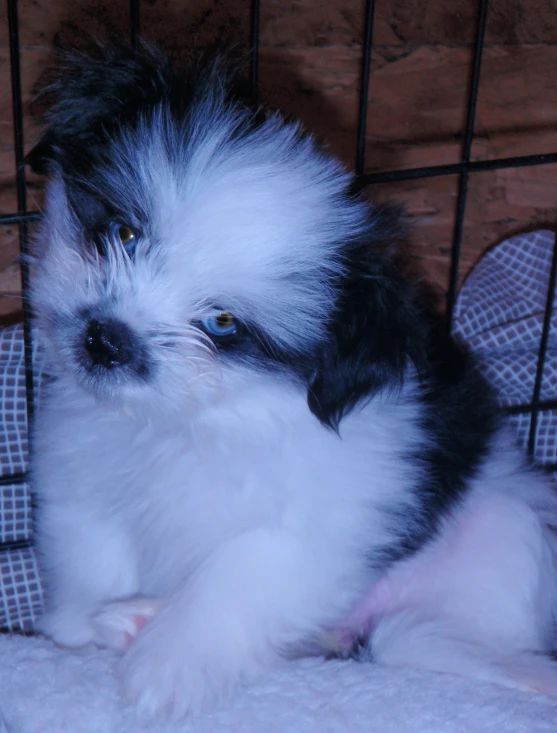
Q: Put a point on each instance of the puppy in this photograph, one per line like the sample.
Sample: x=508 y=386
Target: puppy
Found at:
x=256 y=444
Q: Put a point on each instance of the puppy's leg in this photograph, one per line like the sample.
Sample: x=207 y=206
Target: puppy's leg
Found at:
x=408 y=640
x=482 y=602
x=254 y=596
x=85 y=561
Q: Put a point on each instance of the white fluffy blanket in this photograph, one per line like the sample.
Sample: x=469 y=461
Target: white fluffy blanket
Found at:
x=46 y=690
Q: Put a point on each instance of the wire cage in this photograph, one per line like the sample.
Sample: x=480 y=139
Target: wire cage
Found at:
x=13 y=549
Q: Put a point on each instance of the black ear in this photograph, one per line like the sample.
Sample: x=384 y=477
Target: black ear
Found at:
x=88 y=95
x=376 y=332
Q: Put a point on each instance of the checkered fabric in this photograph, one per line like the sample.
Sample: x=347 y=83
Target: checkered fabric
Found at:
x=20 y=590
x=499 y=313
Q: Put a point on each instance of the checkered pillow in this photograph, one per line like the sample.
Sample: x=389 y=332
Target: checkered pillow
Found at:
x=20 y=591
x=499 y=313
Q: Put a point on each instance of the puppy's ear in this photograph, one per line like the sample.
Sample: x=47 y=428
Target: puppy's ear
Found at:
x=88 y=95
x=376 y=333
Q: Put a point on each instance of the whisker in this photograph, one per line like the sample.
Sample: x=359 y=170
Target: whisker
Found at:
x=267 y=344
x=29 y=192
x=197 y=377
x=183 y=337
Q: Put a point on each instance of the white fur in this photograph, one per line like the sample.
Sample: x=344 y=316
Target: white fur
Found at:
x=207 y=512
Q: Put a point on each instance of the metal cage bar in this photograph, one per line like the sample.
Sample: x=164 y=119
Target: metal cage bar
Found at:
x=466 y=151
x=367 y=45
x=135 y=22
x=451 y=169
x=22 y=218
x=540 y=406
x=544 y=339
x=254 y=48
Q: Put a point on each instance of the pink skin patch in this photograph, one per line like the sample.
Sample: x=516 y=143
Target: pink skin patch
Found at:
x=138 y=623
x=489 y=547
x=119 y=622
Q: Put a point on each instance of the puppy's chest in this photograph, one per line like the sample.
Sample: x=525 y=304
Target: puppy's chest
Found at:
x=179 y=498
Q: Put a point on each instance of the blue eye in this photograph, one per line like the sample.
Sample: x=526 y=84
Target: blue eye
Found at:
x=223 y=324
x=122 y=235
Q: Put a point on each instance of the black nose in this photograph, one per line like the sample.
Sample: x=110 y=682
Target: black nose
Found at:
x=108 y=343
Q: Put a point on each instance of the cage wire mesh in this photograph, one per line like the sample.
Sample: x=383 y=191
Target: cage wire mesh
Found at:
x=20 y=594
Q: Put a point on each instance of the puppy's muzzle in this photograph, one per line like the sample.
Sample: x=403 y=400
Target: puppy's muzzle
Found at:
x=109 y=343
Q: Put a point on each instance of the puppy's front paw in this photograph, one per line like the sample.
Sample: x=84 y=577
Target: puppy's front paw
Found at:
x=179 y=669
x=67 y=625
x=159 y=676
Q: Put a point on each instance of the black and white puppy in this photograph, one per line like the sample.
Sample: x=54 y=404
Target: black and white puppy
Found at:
x=255 y=445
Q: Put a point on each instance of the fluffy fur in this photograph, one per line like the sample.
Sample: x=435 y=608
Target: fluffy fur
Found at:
x=328 y=478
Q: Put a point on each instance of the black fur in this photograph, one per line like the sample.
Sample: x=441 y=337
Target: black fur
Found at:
x=460 y=417
x=91 y=97
x=380 y=335
x=375 y=334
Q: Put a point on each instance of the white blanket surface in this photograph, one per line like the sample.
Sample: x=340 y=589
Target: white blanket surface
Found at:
x=44 y=689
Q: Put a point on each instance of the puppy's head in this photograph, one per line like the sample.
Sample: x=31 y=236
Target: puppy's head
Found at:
x=190 y=242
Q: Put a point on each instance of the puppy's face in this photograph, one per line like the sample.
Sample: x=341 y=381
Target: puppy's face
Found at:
x=188 y=242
